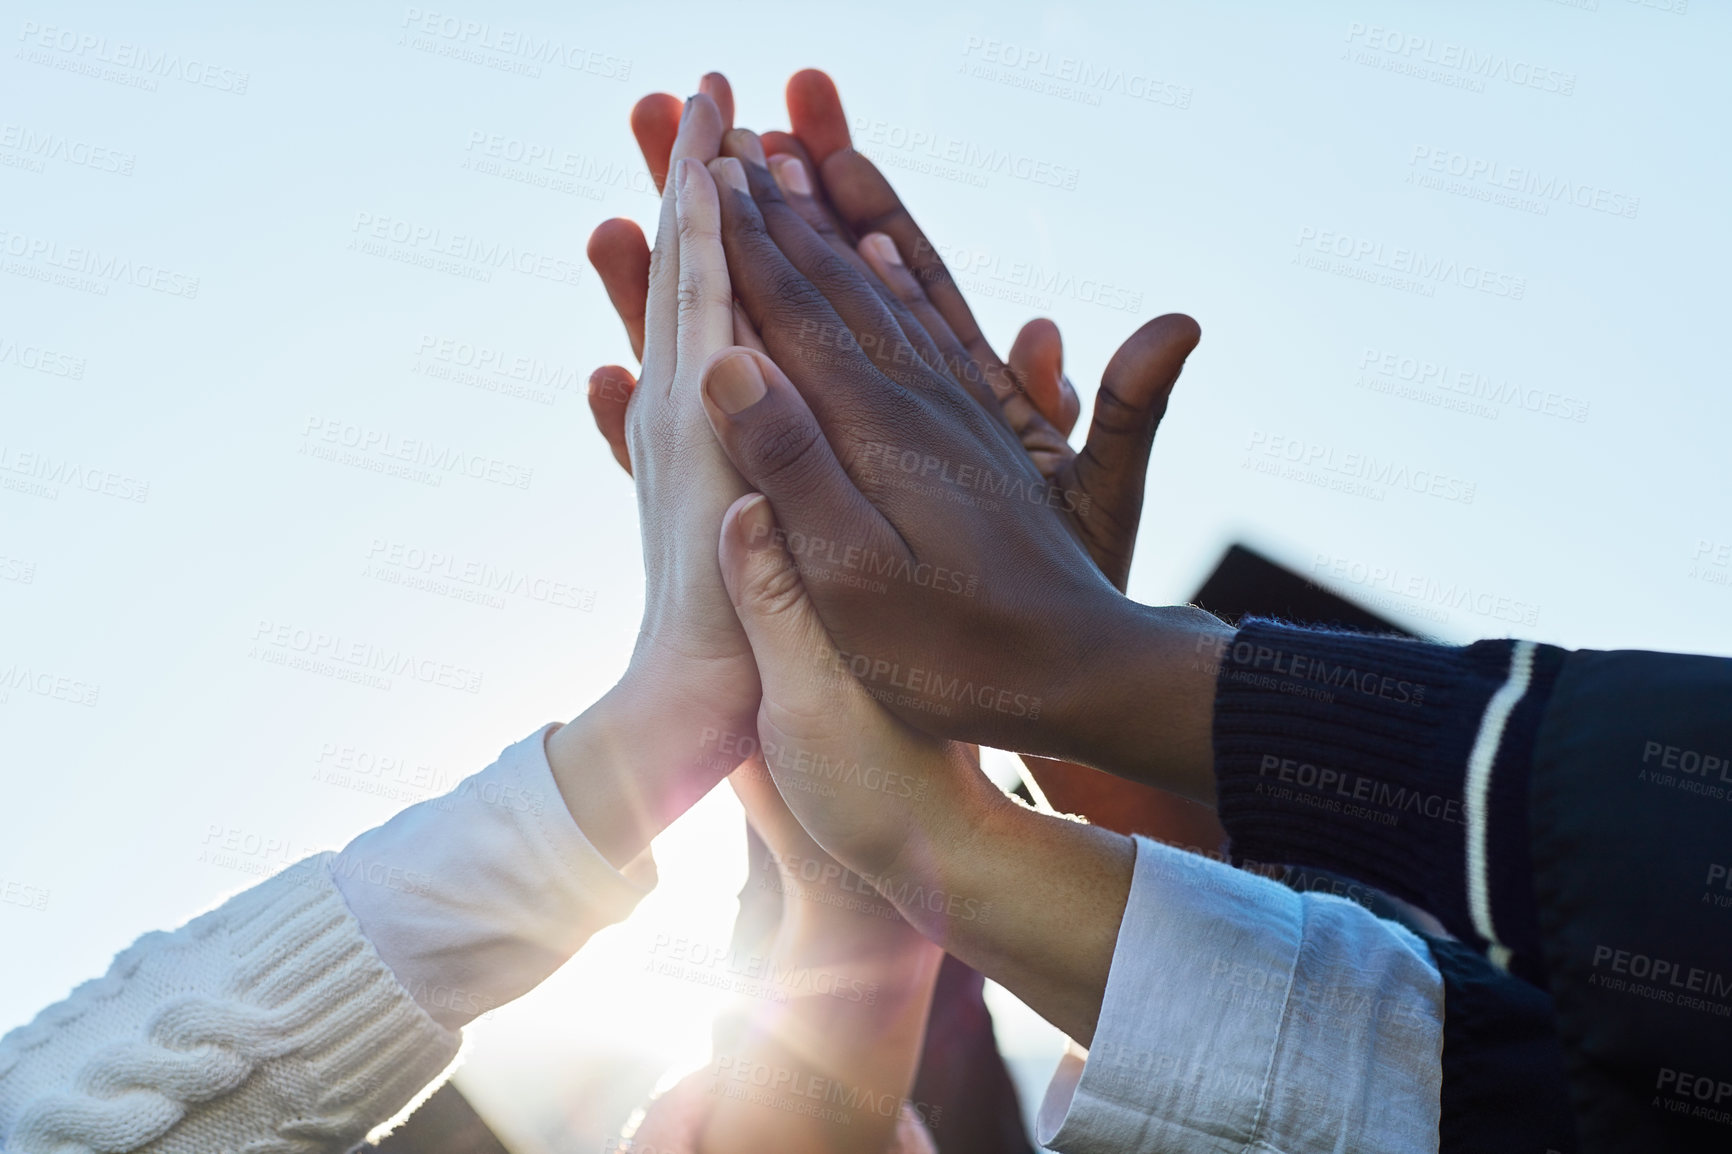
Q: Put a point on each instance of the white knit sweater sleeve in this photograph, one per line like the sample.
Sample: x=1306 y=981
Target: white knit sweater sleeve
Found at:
x=268 y=1024
x=302 y=1014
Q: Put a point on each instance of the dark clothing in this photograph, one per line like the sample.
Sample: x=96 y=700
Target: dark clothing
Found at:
x=1569 y=814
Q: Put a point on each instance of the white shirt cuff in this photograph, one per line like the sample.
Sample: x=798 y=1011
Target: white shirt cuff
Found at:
x=1240 y=1015
x=474 y=898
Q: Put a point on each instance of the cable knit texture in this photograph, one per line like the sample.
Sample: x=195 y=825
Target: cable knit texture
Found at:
x=269 y=1024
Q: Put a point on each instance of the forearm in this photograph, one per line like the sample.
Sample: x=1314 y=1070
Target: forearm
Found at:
x=1030 y=900
x=828 y=1070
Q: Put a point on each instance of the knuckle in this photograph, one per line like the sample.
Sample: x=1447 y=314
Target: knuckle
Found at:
x=787 y=449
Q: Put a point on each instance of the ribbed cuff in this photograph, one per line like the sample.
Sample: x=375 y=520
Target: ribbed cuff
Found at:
x=271 y=1015
x=1350 y=753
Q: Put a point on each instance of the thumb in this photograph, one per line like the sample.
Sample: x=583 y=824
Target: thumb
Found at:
x=798 y=665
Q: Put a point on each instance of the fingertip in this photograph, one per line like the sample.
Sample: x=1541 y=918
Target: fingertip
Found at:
x=614 y=237
x=729 y=171
x=815 y=111
x=716 y=87
x=791 y=175
x=745 y=144
x=734 y=379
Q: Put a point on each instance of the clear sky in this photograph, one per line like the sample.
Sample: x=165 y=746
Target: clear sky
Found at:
x=1460 y=270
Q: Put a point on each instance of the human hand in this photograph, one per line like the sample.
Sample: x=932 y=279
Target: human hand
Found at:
x=691 y=671
x=621 y=257
x=1030 y=900
x=1000 y=625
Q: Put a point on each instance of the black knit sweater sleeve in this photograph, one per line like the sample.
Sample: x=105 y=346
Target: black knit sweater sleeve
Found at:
x=1352 y=753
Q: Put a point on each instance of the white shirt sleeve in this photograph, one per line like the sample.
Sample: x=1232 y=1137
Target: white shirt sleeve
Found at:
x=474 y=898
x=1242 y=1016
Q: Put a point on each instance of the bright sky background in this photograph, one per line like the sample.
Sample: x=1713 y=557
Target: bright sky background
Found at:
x=1229 y=148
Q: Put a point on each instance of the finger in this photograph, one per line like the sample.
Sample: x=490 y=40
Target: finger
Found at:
x=767 y=430
x=610 y=390
x=699 y=137
x=706 y=306
x=743 y=144
x=801 y=331
x=655 y=121
x=866 y=202
x=997 y=392
x=1037 y=360
x=621 y=257
x=794 y=178
x=815 y=113
x=1113 y=465
x=1134 y=391
x=874 y=320
x=789 y=641
x=744 y=333
x=715 y=86
x=879 y=253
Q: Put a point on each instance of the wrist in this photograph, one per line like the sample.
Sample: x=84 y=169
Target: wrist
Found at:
x=1144 y=704
x=637 y=759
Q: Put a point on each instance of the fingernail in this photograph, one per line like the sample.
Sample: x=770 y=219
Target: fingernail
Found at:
x=758 y=523
x=735 y=383
x=746 y=141
x=883 y=248
x=733 y=173
x=682 y=177
x=791 y=175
